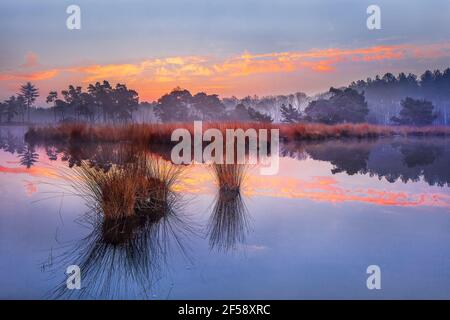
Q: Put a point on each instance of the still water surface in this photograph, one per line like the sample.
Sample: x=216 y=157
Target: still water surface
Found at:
x=311 y=231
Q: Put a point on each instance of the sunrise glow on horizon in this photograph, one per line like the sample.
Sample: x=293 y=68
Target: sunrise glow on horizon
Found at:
x=276 y=52
x=239 y=75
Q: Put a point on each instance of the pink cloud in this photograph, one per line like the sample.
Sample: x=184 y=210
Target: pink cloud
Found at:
x=154 y=77
x=31 y=60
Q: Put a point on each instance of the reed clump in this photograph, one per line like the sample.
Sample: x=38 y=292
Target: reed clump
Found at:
x=229 y=177
x=140 y=187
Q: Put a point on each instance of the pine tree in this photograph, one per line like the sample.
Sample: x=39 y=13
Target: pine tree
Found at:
x=415 y=112
x=29 y=92
x=258 y=116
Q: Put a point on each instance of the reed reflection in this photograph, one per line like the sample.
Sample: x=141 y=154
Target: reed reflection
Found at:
x=134 y=219
x=408 y=159
x=229 y=221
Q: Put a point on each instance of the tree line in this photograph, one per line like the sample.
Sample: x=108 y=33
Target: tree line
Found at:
x=104 y=103
x=350 y=106
x=101 y=102
x=405 y=100
x=19 y=105
x=384 y=94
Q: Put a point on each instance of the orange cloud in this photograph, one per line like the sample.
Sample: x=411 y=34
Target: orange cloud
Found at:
x=31 y=76
x=101 y=72
x=154 y=77
x=317 y=60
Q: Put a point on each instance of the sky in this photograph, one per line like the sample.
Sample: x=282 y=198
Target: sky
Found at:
x=227 y=47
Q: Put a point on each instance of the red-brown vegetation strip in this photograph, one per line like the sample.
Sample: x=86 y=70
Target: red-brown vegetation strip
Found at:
x=161 y=133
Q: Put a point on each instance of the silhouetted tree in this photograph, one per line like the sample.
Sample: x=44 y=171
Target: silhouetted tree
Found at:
x=14 y=106
x=72 y=97
x=415 y=112
x=29 y=93
x=86 y=107
x=126 y=101
x=345 y=105
x=243 y=113
x=100 y=101
x=61 y=108
x=290 y=114
x=103 y=99
x=320 y=111
x=384 y=94
x=258 y=116
x=239 y=113
x=207 y=107
x=180 y=105
x=51 y=98
x=3 y=108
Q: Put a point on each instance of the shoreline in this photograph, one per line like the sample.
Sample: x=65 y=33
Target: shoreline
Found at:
x=161 y=133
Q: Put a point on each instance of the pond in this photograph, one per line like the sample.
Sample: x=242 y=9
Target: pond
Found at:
x=310 y=232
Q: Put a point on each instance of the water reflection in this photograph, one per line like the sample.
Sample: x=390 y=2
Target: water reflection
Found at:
x=136 y=227
x=407 y=160
x=135 y=217
x=404 y=159
x=11 y=140
x=28 y=156
x=122 y=257
x=228 y=223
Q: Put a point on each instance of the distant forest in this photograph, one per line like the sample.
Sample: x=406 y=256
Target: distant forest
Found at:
x=403 y=99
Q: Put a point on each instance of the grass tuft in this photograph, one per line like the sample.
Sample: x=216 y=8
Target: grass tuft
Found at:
x=129 y=189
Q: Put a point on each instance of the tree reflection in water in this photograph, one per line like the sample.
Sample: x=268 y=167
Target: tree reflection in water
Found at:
x=407 y=159
x=399 y=159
